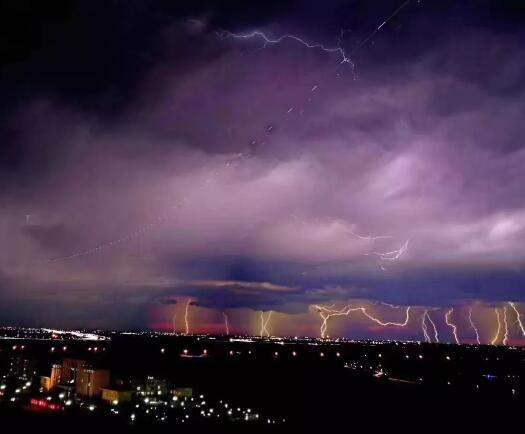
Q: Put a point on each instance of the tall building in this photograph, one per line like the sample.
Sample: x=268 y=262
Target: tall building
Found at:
x=89 y=382
x=70 y=367
x=21 y=367
x=116 y=395
x=56 y=376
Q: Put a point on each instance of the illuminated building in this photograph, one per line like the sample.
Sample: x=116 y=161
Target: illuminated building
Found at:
x=115 y=395
x=20 y=367
x=45 y=383
x=56 y=376
x=86 y=380
x=153 y=387
x=70 y=367
x=89 y=382
x=182 y=392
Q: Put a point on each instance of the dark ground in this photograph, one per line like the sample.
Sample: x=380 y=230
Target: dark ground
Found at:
x=314 y=394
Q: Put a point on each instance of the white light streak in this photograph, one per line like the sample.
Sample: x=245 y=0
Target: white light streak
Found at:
x=186 y=317
x=518 y=317
x=495 y=339
x=394 y=254
x=264 y=324
x=424 y=327
x=267 y=40
x=452 y=325
x=436 y=336
x=226 y=323
x=506 y=327
x=471 y=321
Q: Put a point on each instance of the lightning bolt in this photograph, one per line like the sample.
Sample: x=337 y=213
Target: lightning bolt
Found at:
x=368 y=237
x=495 y=339
x=473 y=325
x=327 y=312
x=394 y=254
x=186 y=316
x=436 y=336
x=506 y=327
x=344 y=58
x=393 y=306
x=424 y=326
x=451 y=324
x=264 y=324
x=386 y=324
x=226 y=323
x=518 y=317
x=267 y=40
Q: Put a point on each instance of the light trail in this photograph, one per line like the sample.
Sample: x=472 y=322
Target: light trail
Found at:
x=451 y=324
x=379 y=27
x=424 y=327
x=264 y=324
x=186 y=317
x=167 y=215
x=506 y=327
x=436 y=335
x=108 y=244
x=226 y=323
x=495 y=339
x=518 y=317
x=471 y=321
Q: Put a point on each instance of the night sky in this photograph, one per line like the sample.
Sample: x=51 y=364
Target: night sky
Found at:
x=152 y=157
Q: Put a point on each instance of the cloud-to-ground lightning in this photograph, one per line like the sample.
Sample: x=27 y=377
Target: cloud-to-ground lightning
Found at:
x=518 y=317
x=327 y=312
x=264 y=332
x=226 y=323
x=424 y=327
x=495 y=339
x=505 y=340
x=471 y=321
x=186 y=317
x=436 y=335
x=453 y=326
